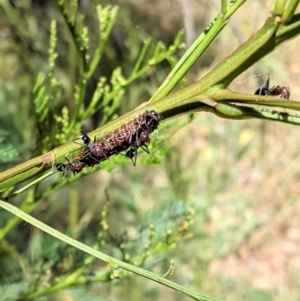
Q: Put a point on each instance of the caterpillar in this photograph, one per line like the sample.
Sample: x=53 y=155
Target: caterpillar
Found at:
x=129 y=137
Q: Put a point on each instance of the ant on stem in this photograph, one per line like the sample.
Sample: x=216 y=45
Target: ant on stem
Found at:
x=264 y=90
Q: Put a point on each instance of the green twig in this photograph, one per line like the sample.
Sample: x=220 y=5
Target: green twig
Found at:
x=290 y=11
x=278 y=7
x=104 y=35
x=139 y=271
x=230 y=96
x=195 y=51
x=267 y=39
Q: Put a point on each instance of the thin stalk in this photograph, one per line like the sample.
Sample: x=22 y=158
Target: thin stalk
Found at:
x=73 y=209
x=290 y=11
x=141 y=57
x=30 y=203
x=267 y=39
x=195 y=51
x=27 y=206
x=80 y=53
x=110 y=260
x=230 y=96
x=81 y=58
x=104 y=35
x=224 y=6
x=278 y=7
x=256 y=113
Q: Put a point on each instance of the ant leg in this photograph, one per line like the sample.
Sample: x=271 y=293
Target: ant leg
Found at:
x=67 y=159
x=132 y=154
x=84 y=138
x=275 y=90
x=144 y=147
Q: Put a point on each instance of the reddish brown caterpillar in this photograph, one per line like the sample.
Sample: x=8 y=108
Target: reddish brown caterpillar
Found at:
x=129 y=137
x=132 y=135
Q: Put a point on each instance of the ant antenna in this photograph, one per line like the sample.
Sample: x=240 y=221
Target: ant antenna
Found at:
x=253 y=76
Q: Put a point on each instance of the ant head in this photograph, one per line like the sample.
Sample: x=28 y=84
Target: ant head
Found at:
x=145 y=136
x=85 y=138
x=61 y=167
x=285 y=91
x=154 y=115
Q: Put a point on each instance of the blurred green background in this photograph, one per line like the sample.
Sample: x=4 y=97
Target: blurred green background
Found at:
x=242 y=177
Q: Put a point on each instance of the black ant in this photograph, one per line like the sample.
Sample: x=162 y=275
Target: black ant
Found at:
x=155 y=118
x=284 y=92
x=76 y=166
x=129 y=137
x=93 y=149
x=140 y=142
x=147 y=124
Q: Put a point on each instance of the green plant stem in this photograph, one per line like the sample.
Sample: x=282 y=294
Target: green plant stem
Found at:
x=278 y=7
x=224 y=6
x=244 y=56
x=73 y=279
x=195 y=51
x=231 y=96
x=104 y=35
x=73 y=209
x=81 y=59
x=80 y=53
x=31 y=201
x=27 y=206
x=290 y=11
x=267 y=39
x=230 y=112
x=139 y=271
x=141 y=57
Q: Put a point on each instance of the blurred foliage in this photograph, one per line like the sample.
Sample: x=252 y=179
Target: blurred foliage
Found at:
x=61 y=89
x=231 y=168
x=80 y=82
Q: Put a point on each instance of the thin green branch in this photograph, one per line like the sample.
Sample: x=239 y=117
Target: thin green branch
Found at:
x=254 y=113
x=78 y=245
x=230 y=96
x=28 y=205
x=195 y=51
x=224 y=6
x=268 y=38
x=81 y=59
x=278 y=7
x=80 y=52
x=141 y=57
x=104 y=35
x=32 y=201
x=75 y=278
x=290 y=11
x=243 y=57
